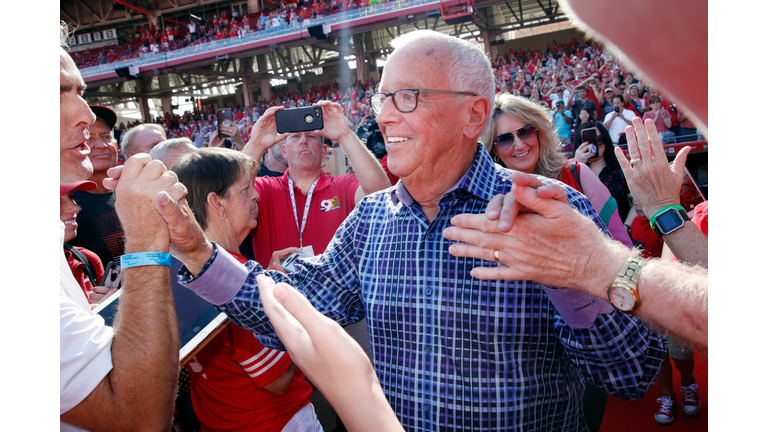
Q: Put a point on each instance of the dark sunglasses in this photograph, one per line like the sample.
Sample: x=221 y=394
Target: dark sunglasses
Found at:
x=505 y=140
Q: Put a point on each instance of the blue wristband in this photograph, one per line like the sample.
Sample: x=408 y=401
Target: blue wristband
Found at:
x=139 y=259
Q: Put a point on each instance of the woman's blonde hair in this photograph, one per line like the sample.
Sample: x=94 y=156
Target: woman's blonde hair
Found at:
x=551 y=159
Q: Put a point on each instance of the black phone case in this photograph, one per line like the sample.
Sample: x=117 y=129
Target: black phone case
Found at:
x=223 y=114
x=296 y=119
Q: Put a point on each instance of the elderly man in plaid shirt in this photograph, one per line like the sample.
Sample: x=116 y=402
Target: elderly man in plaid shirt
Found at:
x=452 y=352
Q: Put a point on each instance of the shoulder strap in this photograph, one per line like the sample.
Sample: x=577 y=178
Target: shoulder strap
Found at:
x=575 y=172
x=89 y=270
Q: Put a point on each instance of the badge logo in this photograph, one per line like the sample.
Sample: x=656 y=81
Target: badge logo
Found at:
x=330 y=204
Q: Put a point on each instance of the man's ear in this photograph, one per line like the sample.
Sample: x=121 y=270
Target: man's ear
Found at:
x=479 y=110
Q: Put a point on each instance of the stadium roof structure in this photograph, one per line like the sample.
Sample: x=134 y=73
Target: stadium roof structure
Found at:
x=285 y=54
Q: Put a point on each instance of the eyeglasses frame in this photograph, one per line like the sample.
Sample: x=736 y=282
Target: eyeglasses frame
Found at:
x=417 y=92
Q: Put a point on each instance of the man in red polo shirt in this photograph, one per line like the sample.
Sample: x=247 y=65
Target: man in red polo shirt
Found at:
x=305 y=206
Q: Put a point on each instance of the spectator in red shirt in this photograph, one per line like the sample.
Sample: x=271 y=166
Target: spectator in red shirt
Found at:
x=662 y=118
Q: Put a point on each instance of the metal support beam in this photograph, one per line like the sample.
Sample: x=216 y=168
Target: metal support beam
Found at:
x=513 y=12
x=101 y=19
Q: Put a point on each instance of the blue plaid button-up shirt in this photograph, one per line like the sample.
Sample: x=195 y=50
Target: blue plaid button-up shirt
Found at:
x=453 y=352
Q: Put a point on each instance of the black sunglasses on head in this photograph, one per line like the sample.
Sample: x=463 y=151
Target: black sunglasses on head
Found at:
x=507 y=139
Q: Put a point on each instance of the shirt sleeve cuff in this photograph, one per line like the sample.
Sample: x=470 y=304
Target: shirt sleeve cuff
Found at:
x=578 y=309
x=220 y=279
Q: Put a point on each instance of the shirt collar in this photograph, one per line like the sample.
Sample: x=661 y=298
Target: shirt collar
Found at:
x=323 y=182
x=480 y=180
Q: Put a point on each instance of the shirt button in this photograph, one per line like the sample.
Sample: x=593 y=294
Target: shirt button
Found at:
x=428 y=291
x=426 y=407
x=428 y=348
x=431 y=236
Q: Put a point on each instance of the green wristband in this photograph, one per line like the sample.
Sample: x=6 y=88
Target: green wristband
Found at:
x=653 y=218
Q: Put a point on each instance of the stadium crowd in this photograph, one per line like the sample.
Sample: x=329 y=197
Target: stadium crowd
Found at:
x=174 y=34
x=565 y=78
x=237 y=228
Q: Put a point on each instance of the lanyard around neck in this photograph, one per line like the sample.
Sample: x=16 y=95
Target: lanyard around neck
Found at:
x=306 y=208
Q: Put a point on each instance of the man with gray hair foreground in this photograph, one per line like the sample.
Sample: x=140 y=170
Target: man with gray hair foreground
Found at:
x=452 y=352
x=120 y=378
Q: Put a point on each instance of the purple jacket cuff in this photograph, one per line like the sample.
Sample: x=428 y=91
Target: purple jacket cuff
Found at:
x=579 y=309
x=220 y=280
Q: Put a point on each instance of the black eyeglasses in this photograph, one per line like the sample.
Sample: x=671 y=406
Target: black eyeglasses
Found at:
x=505 y=140
x=406 y=100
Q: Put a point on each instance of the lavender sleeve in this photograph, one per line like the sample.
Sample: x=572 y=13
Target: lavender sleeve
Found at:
x=220 y=279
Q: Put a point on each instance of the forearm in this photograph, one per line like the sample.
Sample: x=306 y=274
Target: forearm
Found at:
x=254 y=149
x=609 y=122
x=145 y=350
x=139 y=391
x=368 y=170
x=689 y=245
x=673 y=297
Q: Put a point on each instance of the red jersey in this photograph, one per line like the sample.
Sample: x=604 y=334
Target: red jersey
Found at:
x=332 y=200
x=227 y=377
x=641 y=231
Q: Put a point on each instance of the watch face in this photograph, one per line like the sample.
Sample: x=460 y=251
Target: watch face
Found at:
x=622 y=299
x=668 y=221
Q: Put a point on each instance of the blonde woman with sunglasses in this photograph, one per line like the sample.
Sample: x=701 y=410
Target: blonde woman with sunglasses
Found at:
x=520 y=136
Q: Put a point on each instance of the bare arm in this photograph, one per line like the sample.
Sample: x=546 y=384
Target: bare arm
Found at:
x=571 y=252
x=330 y=357
x=655 y=185
x=263 y=135
x=138 y=393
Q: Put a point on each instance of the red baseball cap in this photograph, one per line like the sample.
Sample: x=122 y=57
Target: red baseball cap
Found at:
x=83 y=185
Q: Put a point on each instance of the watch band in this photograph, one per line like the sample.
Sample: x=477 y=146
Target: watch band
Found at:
x=677 y=209
x=627 y=280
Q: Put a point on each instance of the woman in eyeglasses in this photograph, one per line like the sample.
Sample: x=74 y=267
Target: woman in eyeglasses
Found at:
x=520 y=136
x=604 y=164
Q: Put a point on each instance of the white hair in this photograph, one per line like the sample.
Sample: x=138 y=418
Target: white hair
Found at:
x=470 y=68
x=126 y=142
x=160 y=151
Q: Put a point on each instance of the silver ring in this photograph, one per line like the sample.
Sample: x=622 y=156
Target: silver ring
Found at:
x=496 y=255
x=634 y=162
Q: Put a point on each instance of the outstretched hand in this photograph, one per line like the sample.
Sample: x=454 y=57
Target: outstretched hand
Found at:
x=138 y=185
x=279 y=256
x=335 y=123
x=188 y=243
x=653 y=183
x=550 y=243
x=505 y=208
x=264 y=134
x=331 y=359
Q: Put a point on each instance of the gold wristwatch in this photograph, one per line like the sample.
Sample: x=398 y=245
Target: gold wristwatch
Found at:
x=623 y=292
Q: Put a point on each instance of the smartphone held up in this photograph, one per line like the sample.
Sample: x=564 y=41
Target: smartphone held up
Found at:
x=222 y=115
x=302 y=119
x=589 y=135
